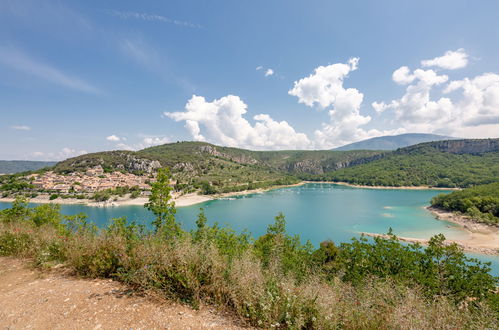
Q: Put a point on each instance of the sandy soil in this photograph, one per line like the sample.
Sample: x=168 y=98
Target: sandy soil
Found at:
x=55 y=300
x=481 y=238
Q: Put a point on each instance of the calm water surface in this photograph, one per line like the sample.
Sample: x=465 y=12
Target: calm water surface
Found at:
x=314 y=211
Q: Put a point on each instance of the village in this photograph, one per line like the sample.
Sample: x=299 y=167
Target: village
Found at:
x=93 y=180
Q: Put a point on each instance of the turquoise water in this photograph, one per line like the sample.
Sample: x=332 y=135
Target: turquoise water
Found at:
x=314 y=211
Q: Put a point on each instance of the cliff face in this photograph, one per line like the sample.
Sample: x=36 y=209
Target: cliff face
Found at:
x=470 y=146
x=240 y=159
x=327 y=165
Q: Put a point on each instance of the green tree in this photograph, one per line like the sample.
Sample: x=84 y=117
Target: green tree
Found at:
x=161 y=205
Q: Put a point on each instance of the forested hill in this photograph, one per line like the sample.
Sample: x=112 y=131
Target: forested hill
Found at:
x=393 y=142
x=195 y=165
x=480 y=203
x=218 y=169
x=453 y=163
x=16 y=166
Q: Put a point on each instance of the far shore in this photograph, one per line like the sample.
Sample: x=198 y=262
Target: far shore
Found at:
x=195 y=198
x=384 y=187
x=481 y=238
x=179 y=199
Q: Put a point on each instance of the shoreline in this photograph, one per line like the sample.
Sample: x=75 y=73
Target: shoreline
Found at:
x=180 y=200
x=482 y=238
x=195 y=198
x=384 y=187
x=467 y=245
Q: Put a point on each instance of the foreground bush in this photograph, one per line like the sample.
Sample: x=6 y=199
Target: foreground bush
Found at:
x=273 y=281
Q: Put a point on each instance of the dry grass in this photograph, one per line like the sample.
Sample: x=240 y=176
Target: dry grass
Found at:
x=194 y=271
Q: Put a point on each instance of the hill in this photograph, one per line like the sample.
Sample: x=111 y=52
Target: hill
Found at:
x=16 y=166
x=480 y=202
x=453 y=163
x=204 y=167
x=199 y=165
x=393 y=142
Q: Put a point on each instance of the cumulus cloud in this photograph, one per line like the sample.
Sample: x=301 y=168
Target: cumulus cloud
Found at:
x=155 y=140
x=325 y=85
x=403 y=76
x=64 y=153
x=223 y=121
x=145 y=142
x=20 y=127
x=113 y=138
x=269 y=72
x=324 y=89
x=464 y=106
x=451 y=60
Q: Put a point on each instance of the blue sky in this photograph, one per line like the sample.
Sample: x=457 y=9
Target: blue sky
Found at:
x=85 y=76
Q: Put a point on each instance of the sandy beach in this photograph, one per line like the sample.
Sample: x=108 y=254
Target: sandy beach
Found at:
x=180 y=199
x=385 y=187
x=481 y=238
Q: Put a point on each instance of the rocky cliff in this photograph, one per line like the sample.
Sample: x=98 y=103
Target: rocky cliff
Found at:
x=469 y=146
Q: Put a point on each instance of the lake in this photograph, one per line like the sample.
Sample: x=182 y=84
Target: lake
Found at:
x=315 y=211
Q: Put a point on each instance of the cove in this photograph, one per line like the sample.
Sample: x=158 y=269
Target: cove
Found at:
x=315 y=211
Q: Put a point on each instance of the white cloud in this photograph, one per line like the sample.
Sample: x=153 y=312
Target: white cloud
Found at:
x=222 y=122
x=113 y=138
x=146 y=142
x=403 y=76
x=21 y=127
x=155 y=140
x=258 y=68
x=269 y=72
x=325 y=85
x=153 y=18
x=18 y=60
x=64 y=153
x=324 y=88
x=451 y=60
x=468 y=107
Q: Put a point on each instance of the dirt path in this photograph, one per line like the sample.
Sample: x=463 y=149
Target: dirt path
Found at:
x=53 y=300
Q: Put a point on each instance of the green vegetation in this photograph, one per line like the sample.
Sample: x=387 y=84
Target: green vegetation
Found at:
x=209 y=169
x=423 y=167
x=199 y=166
x=481 y=202
x=16 y=166
x=393 y=142
x=161 y=205
x=274 y=281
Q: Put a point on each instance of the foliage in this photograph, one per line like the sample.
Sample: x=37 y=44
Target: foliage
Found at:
x=480 y=202
x=274 y=281
x=16 y=166
x=161 y=205
x=423 y=168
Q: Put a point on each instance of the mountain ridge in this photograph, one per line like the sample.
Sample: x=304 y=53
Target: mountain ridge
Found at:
x=393 y=142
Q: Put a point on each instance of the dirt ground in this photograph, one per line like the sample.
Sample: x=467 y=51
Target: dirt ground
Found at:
x=55 y=300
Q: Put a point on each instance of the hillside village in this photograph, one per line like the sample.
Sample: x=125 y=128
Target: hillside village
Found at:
x=92 y=180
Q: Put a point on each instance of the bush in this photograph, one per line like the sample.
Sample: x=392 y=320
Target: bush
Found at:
x=273 y=282
x=53 y=196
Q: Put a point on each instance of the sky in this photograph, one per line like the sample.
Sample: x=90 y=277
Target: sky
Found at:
x=86 y=76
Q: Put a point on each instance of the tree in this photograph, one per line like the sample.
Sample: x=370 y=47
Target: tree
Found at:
x=161 y=205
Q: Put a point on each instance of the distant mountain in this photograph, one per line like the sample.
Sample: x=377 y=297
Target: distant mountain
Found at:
x=16 y=166
x=393 y=142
